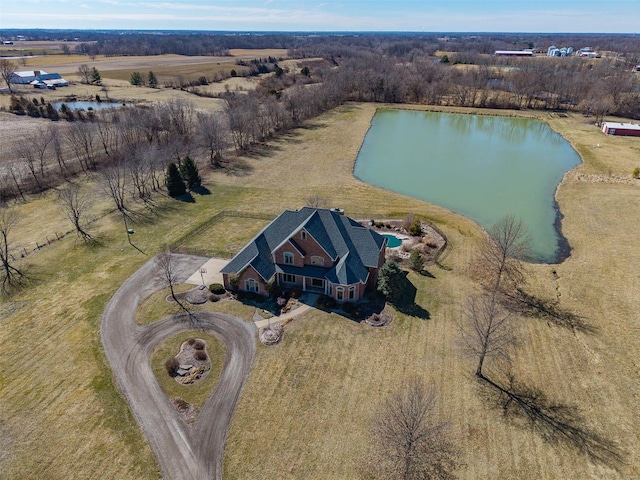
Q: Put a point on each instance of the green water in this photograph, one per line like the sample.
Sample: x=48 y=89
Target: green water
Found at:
x=480 y=166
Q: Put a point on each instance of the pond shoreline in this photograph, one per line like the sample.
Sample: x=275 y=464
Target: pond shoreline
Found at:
x=563 y=247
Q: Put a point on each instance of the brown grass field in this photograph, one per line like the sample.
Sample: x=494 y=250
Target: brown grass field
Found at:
x=305 y=410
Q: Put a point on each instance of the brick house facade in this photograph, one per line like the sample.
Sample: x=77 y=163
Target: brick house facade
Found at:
x=314 y=250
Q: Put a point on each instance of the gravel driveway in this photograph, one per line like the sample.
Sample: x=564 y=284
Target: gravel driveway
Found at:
x=183 y=453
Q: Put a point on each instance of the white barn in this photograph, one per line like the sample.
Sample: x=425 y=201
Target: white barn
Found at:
x=26 y=77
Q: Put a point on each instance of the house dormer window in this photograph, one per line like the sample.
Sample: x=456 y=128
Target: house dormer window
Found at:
x=303 y=235
x=288 y=258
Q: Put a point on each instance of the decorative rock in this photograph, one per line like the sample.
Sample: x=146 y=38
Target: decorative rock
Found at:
x=186 y=367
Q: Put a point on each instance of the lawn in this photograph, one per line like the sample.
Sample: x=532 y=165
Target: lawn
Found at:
x=309 y=400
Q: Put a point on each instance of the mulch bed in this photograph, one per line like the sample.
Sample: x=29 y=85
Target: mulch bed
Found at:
x=192 y=369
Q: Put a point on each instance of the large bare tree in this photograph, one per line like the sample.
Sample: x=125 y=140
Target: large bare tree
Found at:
x=213 y=135
x=10 y=275
x=168 y=272
x=7 y=69
x=499 y=263
x=75 y=204
x=410 y=442
x=84 y=72
x=486 y=330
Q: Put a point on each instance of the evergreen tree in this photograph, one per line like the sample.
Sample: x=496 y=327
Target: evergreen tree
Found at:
x=189 y=173
x=52 y=113
x=416 y=262
x=152 y=81
x=136 y=79
x=390 y=281
x=175 y=184
x=96 y=79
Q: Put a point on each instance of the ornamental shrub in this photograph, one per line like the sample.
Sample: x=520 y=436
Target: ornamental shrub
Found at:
x=216 y=288
x=172 y=365
x=200 y=355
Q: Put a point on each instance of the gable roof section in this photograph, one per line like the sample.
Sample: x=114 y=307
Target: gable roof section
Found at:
x=354 y=247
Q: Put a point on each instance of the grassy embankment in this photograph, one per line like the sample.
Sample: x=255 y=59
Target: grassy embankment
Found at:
x=307 y=404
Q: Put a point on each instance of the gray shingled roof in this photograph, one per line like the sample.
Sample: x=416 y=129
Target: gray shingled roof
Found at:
x=352 y=246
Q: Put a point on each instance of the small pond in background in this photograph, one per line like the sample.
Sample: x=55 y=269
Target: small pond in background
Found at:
x=480 y=166
x=87 y=105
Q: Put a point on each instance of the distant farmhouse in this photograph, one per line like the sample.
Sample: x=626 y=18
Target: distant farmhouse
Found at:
x=624 y=129
x=514 y=53
x=39 y=79
x=313 y=250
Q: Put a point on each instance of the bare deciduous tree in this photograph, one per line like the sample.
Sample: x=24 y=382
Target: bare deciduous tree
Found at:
x=409 y=441
x=11 y=276
x=58 y=150
x=84 y=72
x=317 y=201
x=80 y=138
x=7 y=69
x=169 y=275
x=28 y=155
x=485 y=330
x=212 y=133
x=16 y=176
x=499 y=264
x=75 y=205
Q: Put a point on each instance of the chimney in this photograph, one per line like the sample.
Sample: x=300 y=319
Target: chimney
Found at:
x=339 y=211
x=36 y=72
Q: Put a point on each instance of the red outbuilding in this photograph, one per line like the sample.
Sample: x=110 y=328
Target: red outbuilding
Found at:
x=617 y=128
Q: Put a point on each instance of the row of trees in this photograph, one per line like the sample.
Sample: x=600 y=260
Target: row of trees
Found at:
x=145 y=138
x=138 y=79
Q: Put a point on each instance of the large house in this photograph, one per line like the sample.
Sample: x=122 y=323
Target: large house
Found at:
x=314 y=250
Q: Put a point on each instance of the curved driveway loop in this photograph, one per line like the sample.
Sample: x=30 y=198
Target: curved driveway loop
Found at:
x=183 y=453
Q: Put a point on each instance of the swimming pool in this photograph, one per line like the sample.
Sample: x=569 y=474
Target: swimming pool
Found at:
x=392 y=240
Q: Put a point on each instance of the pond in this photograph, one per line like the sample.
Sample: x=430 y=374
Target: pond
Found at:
x=480 y=166
x=86 y=105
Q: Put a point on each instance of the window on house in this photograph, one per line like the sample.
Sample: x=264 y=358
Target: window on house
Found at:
x=352 y=293
x=315 y=260
x=303 y=235
x=317 y=282
x=288 y=278
x=288 y=258
x=340 y=294
x=251 y=285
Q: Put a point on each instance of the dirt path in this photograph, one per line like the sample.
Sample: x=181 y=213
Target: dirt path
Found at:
x=183 y=453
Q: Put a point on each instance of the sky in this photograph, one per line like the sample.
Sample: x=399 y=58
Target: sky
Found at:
x=545 y=16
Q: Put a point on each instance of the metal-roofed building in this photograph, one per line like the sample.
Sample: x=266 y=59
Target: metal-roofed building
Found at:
x=314 y=250
x=25 y=77
x=624 y=129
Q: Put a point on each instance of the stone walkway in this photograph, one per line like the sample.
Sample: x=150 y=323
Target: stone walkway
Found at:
x=309 y=300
